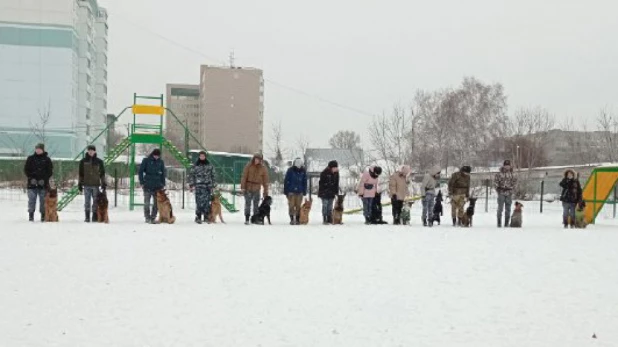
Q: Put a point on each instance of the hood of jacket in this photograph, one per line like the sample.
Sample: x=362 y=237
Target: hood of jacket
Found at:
x=566 y=172
x=435 y=170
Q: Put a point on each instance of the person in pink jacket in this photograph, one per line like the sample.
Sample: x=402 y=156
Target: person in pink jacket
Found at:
x=367 y=189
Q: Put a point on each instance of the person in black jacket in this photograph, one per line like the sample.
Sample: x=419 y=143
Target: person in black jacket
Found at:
x=38 y=171
x=91 y=177
x=570 y=197
x=328 y=188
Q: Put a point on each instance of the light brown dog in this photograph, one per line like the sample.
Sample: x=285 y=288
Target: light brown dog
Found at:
x=304 y=212
x=166 y=215
x=338 y=210
x=51 y=205
x=102 y=206
x=215 y=210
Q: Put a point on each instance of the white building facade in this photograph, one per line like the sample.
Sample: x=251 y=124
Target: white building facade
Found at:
x=49 y=73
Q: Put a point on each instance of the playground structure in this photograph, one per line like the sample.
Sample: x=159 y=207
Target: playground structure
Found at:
x=597 y=190
x=146 y=133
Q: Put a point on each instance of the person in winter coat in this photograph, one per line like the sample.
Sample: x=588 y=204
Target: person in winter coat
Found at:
x=91 y=177
x=152 y=178
x=294 y=188
x=254 y=178
x=570 y=197
x=398 y=189
x=328 y=188
x=505 y=182
x=368 y=188
x=38 y=171
x=428 y=193
x=202 y=181
x=459 y=191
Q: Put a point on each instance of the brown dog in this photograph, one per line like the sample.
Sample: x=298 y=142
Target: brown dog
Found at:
x=51 y=205
x=466 y=219
x=338 y=210
x=304 y=212
x=215 y=210
x=166 y=215
x=102 y=205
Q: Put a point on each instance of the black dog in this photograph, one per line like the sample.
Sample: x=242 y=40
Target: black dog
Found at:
x=263 y=212
x=376 y=210
x=437 y=209
x=466 y=221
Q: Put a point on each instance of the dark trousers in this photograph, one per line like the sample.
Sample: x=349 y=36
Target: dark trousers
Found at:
x=397 y=206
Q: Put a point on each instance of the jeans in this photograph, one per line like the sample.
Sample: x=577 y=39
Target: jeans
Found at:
x=203 y=197
x=90 y=198
x=150 y=194
x=568 y=211
x=251 y=198
x=33 y=193
x=367 y=205
x=327 y=208
x=428 y=202
x=504 y=204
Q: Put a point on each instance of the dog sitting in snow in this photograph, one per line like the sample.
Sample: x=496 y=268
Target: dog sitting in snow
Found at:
x=437 y=209
x=304 y=212
x=580 y=216
x=466 y=220
x=405 y=212
x=338 y=209
x=166 y=215
x=517 y=217
x=102 y=206
x=215 y=209
x=263 y=212
x=51 y=205
x=376 y=210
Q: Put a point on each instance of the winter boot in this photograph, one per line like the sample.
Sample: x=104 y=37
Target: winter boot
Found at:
x=87 y=219
x=198 y=218
x=500 y=222
x=454 y=221
x=292 y=220
x=42 y=217
x=367 y=221
x=325 y=220
x=31 y=216
x=297 y=222
x=507 y=222
x=459 y=223
x=424 y=221
x=94 y=217
x=247 y=222
x=430 y=224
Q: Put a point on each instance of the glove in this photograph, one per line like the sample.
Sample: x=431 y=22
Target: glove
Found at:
x=41 y=183
x=33 y=182
x=103 y=185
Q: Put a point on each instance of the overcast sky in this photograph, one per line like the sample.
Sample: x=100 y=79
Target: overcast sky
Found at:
x=368 y=55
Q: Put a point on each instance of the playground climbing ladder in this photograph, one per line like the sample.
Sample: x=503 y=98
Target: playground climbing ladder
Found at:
x=144 y=133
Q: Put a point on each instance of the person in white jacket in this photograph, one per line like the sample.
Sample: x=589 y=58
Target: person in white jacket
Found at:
x=428 y=193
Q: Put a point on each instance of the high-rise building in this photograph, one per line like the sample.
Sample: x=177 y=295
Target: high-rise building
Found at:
x=52 y=75
x=225 y=111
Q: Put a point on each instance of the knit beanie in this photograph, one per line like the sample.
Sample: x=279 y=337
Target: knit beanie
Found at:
x=332 y=164
x=40 y=146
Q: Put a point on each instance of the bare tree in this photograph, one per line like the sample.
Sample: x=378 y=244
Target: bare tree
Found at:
x=531 y=127
x=39 y=128
x=302 y=143
x=345 y=139
x=607 y=123
x=582 y=148
x=276 y=143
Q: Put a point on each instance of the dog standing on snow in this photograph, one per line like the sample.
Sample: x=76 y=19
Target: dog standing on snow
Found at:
x=437 y=209
x=516 y=217
x=304 y=212
x=466 y=220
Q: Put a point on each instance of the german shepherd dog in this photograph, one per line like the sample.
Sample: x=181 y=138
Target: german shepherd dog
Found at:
x=166 y=215
x=215 y=209
x=376 y=210
x=263 y=212
x=102 y=206
x=516 y=217
x=437 y=209
x=466 y=220
x=51 y=205
x=304 y=212
x=338 y=209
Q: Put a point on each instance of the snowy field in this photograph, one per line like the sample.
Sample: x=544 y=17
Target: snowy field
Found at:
x=132 y=284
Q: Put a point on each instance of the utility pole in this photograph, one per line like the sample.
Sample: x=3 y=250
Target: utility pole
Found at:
x=232 y=59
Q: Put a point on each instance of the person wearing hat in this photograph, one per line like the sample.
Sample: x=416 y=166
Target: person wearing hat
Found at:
x=368 y=188
x=254 y=178
x=294 y=188
x=202 y=181
x=38 y=171
x=398 y=189
x=459 y=191
x=328 y=188
x=505 y=182
x=151 y=178
x=428 y=192
x=91 y=177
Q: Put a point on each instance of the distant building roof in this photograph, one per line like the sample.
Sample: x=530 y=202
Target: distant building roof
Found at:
x=318 y=158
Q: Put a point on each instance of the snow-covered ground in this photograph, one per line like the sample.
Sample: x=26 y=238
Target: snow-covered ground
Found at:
x=132 y=284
